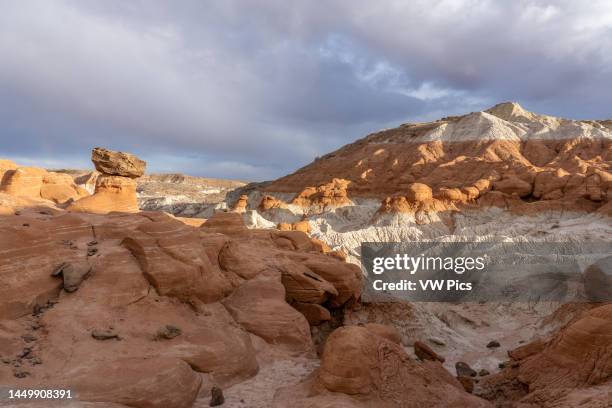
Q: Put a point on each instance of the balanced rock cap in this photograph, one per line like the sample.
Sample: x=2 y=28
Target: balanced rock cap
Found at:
x=117 y=163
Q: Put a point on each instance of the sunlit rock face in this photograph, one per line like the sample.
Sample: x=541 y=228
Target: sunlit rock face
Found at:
x=115 y=187
x=145 y=310
x=256 y=297
x=501 y=172
x=504 y=174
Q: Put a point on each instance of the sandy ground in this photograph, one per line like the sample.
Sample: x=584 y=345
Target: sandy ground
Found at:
x=258 y=392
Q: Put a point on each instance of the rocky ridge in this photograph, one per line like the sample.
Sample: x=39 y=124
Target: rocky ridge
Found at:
x=504 y=174
x=435 y=175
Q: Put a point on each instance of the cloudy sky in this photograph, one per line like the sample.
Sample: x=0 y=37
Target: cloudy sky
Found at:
x=255 y=89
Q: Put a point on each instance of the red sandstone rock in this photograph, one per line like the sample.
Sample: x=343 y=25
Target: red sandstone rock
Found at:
x=463 y=158
x=513 y=185
x=268 y=202
x=332 y=194
x=113 y=194
x=375 y=371
x=259 y=306
x=576 y=361
x=424 y=352
x=315 y=314
x=225 y=223
x=384 y=330
x=242 y=204
x=143 y=383
x=419 y=192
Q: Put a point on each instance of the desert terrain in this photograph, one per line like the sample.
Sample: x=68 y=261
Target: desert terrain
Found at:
x=161 y=291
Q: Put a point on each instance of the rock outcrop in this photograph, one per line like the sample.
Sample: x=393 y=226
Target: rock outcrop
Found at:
x=501 y=175
x=371 y=370
x=38 y=184
x=460 y=159
x=115 y=189
x=117 y=163
x=575 y=365
x=85 y=298
x=325 y=196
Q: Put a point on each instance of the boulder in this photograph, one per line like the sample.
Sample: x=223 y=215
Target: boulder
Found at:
x=137 y=382
x=114 y=163
x=227 y=223
x=424 y=352
x=529 y=349
x=174 y=261
x=345 y=277
x=268 y=202
x=259 y=306
x=302 y=226
x=315 y=314
x=284 y=226
x=373 y=368
x=464 y=370
x=513 y=185
x=419 y=192
x=216 y=397
x=450 y=194
x=384 y=330
x=304 y=285
x=60 y=188
x=73 y=273
x=328 y=195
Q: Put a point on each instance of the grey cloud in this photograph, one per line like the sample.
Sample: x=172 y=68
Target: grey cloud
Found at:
x=256 y=89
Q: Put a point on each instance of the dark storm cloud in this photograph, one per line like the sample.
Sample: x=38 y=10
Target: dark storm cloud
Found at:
x=253 y=90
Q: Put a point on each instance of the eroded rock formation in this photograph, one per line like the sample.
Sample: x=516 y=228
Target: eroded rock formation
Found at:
x=39 y=185
x=144 y=273
x=362 y=368
x=461 y=159
x=115 y=185
x=573 y=368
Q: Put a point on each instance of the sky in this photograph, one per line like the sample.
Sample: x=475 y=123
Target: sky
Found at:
x=255 y=89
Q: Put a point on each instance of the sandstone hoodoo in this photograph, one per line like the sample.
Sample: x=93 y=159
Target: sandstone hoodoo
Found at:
x=115 y=188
